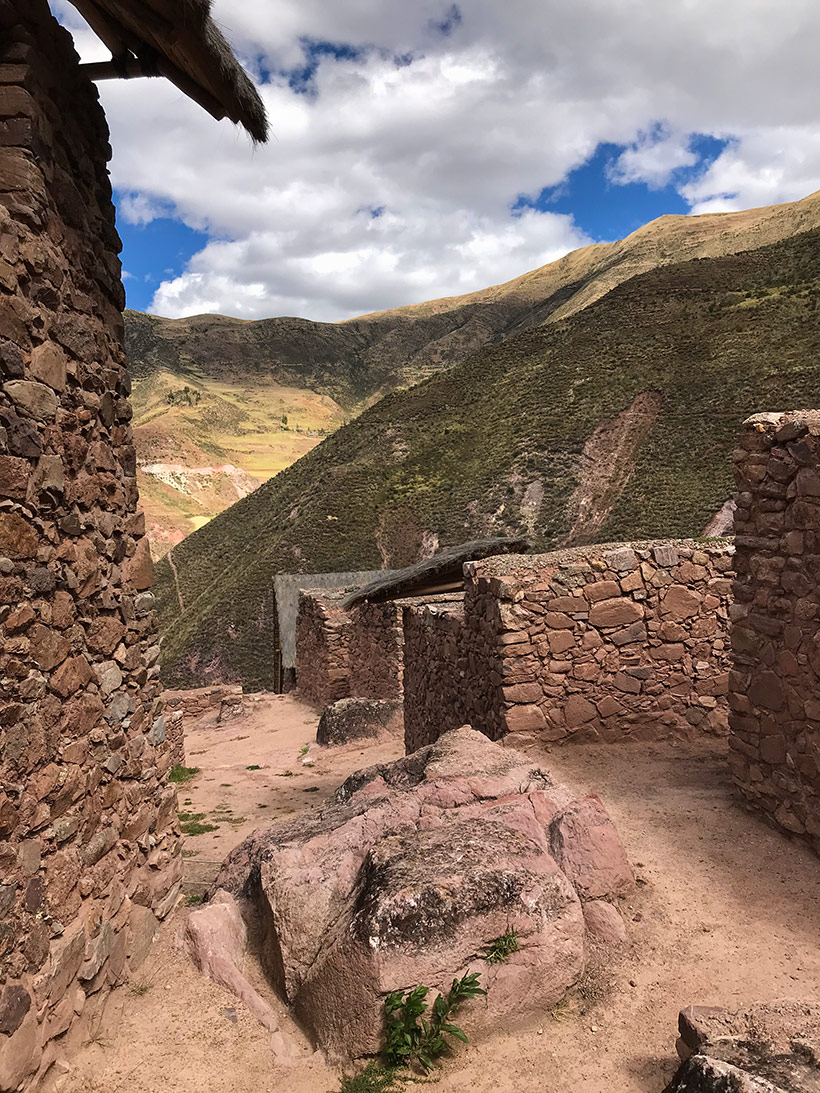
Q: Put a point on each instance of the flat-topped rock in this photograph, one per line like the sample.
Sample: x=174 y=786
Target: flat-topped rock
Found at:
x=412 y=871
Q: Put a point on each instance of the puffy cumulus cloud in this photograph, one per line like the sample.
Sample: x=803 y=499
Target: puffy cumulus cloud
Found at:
x=654 y=158
x=383 y=261
x=404 y=136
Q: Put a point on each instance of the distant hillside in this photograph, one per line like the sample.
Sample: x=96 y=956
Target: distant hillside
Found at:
x=203 y=443
x=245 y=376
x=615 y=422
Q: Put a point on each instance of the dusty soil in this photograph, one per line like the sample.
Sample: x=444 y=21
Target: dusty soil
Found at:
x=257 y=768
x=727 y=912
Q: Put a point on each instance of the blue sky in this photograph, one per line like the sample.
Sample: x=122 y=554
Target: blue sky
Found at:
x=492 y=138
x=153 y=252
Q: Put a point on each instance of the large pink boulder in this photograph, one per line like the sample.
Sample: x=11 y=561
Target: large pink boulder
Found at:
x=415 y=868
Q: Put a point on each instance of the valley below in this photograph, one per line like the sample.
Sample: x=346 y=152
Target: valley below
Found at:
x=203 y=444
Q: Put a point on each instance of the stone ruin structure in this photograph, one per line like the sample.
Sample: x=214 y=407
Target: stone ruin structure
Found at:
x=89 y=841
x=774 y=691
x=612 y=642
x=355 y=652
x=223 y=702
x=350 y=640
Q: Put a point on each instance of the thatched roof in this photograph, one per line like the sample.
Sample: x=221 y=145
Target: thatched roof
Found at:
x=433 y=572
x=179 y=40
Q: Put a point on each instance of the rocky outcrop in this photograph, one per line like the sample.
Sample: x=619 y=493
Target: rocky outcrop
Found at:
x=412 y=871
x=765 y=1048
x=217 y=941
x=357 y=719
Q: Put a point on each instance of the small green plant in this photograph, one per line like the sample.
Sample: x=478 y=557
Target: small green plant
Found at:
x=410 y=1038
x=191 y=823
x=375 y=1078
x=253 y=766
x=179 y=774
x=501 y=948
x=140 y=989
x=193 y=899
x=304 y=750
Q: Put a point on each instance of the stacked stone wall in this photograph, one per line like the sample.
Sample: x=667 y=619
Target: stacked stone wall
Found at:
x=184 y=707
x=775 y=683
x=594 y=643
x=89 y=851
x=436 y=668
x=322 y=647
x=376 y=642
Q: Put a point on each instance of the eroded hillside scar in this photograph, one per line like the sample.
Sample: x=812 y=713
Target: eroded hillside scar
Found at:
x=172 y=564
x=607 y=463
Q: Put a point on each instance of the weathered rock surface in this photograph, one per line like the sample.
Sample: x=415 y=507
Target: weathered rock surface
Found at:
x=358 y=718
x=415 y=867
x=766 y=1048
x=217 y=939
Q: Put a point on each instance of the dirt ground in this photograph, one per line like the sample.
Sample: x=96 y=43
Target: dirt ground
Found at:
x=727 y=912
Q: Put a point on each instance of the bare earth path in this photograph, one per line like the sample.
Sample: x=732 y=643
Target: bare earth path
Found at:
x=728 y=912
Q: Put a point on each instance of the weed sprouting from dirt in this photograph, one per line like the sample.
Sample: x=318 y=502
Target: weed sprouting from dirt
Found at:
x=140 y=989
x=413 y=1039
x=253 y=766
x=180 y=774
x=193 y=899
x=191 y=823
x=375 y=1078
x=500 y=949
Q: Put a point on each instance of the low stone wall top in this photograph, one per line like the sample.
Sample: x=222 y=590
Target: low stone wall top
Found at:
x=195 y=703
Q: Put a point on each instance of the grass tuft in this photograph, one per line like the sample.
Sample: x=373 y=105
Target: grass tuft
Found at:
x=180 y=774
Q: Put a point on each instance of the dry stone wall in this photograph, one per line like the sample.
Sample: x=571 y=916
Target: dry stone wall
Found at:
x=184 y=707
x=376 y=642
x=436 y=668
x=322 y=637
x=89 y=853
x=356 y=653
x=775 y=683
x=594 y=643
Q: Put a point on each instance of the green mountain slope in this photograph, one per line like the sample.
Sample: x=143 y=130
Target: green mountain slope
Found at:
x=241 y=379
x=616 y=423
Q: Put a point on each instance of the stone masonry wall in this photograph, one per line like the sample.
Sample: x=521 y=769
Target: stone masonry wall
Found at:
x=89 y=851
x=376 y=642
x=593 y=643
x=436 y=667
x=774 y=690
x=184 y=707
x=322 y=637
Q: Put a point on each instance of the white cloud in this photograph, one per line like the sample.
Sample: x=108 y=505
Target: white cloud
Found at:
x=507 y=103
x=654 y=158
